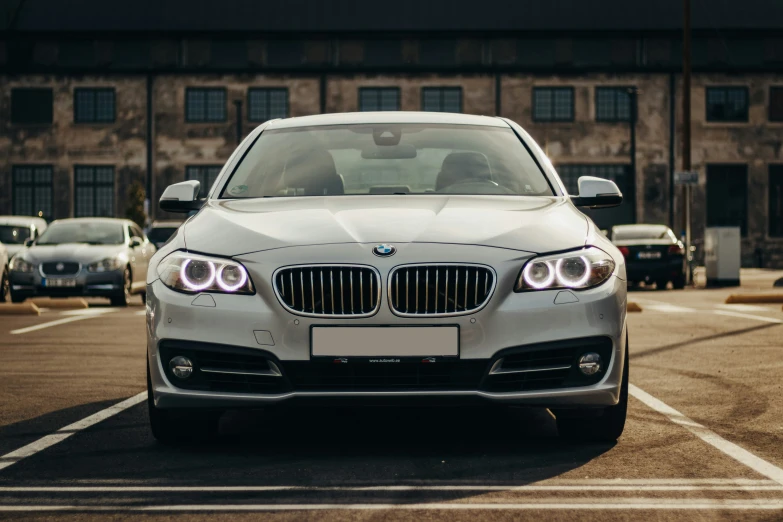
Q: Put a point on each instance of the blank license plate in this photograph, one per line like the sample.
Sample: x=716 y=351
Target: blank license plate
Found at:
x=393 y=341
x=649 y=255
x=60 y=283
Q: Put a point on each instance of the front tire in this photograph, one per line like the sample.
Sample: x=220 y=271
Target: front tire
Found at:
x=5 y=286
x=679 y=283
x=123 y=298
x=607 y=426
x=180 y=426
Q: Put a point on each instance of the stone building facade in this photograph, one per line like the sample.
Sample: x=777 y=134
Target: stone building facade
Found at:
x=180 y=103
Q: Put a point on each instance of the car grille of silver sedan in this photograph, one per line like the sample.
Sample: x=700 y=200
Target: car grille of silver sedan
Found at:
x=440 y=290
x=57 y=268
x=329 y=290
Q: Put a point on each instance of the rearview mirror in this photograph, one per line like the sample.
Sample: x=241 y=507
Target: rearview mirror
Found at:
x=135 y=241
x=181 y=197
x=597 y=193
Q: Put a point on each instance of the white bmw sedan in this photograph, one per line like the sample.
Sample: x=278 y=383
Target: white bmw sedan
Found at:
x=388 y=257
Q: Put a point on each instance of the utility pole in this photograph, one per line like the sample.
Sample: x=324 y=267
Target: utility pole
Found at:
x=632 y=95
x=686 y=129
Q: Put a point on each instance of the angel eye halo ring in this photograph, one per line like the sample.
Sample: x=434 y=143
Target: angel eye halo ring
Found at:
x=193 y=273
x=575 y=270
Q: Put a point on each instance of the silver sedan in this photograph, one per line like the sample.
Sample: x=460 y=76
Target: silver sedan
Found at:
x=388 y=257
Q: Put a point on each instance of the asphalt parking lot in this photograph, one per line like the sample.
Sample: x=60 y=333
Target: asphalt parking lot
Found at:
x=703 y=438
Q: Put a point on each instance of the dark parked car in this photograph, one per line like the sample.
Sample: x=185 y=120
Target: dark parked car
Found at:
x=653 y=254
x=97 y=257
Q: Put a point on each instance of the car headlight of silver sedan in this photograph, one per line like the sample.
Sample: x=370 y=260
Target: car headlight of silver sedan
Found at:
x=575 y=270
x=105 y=265
x=193 y=273
x=18 y=264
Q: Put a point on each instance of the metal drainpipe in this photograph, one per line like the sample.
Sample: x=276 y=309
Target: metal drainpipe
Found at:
x=672 y=130
x=632 y=93
x=150 y=127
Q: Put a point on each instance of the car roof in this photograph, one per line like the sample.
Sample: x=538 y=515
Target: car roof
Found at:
x=166 y=223
x=640 y=226
x=23 y=221
x=100 y=219
x=349 y=118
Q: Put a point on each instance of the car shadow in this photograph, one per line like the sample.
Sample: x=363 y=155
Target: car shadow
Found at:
x=322 y=446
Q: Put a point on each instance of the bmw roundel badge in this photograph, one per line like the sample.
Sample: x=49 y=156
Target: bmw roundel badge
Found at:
x=384 y=250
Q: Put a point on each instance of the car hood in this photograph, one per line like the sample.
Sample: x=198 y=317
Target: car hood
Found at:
x=529 y=224
x=77 y=252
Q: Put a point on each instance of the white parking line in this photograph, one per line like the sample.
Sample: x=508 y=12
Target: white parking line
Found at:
x=658 y=504
x=74 y=315
x=9 y=459
x=742 y=455
x=739 y=307
x=643 y=485
x=668 y=308
x=749 y=316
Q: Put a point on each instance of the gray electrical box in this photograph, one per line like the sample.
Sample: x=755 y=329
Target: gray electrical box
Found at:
x=722 y=256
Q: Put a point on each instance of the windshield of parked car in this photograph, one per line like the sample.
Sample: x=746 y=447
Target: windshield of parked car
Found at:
x=628 y=233
x=387 y=159
x=13 y=235
x=90 y=232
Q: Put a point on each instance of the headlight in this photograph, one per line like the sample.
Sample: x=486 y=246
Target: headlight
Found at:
x=18 y=264
x=576 y=270
x=105 y=265
x=193 y=273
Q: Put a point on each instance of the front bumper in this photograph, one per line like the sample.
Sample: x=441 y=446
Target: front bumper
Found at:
x=88 y=284
x=258 y=325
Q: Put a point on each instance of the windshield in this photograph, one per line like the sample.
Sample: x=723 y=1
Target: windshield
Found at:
x=627 y=233
x=161 y=235
x=387 y=159
x=90 y=232
x=13 y=235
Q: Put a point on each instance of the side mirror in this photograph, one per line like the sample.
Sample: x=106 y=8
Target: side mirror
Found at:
x=135 y=241
x=597 y=193
x=28 y=242
x=181 y=197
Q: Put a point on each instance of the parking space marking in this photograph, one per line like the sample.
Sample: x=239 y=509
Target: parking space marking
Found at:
x=668 y=308
x=749 y=316
x=739 y=454
x=9 y=459
x=657 y=504
x=74 y=315
x=747 y=308
x=639 y=485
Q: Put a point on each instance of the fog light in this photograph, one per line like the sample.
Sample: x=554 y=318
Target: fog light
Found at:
x=181 y=367
x=590 y=363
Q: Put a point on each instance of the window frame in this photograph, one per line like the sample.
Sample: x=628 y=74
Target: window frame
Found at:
x=774 y=170
x=206 y=91
x=726 y=89
x=779 y=89
x=204 y=188
x=267 y=91
x=615 y=90
x=95 y=184
x=94 y=91
x=442 y=90
x=33 y=185
x=48 y=90
x=553 y=89
x=379 y=92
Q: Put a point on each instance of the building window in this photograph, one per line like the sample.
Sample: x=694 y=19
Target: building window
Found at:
x=93 y=105
x=32 y=190
x=205 y=105
x=776 y=200
x=205 y=175
x=776 y=104
x=441 y=99
x=379 y=99
x=31 y=106
x=553 y=104
x=620 y=174
x=94 y=191
x=612 y=104
x=727 y=104
x=266 y=104
x=727 y=196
